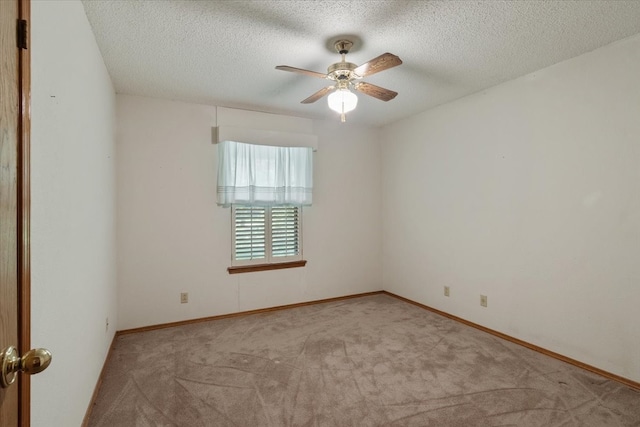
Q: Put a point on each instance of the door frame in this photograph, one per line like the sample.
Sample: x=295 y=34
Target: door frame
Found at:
x=24 y=212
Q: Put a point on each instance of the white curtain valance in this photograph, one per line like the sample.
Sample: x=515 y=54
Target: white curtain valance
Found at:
x=264 y=137
x=264 y=175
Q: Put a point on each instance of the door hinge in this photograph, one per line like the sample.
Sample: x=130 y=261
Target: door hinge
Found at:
x=22 y=34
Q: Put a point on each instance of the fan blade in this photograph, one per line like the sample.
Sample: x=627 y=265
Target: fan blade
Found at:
x=319 y=94
x=375 y=91
x=301 y=71
x=381 y=63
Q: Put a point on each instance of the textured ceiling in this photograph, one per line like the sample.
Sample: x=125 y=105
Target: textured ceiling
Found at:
x=224 y=52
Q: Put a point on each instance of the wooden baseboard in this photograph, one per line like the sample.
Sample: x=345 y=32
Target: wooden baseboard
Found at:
x=603 y=373
x=244 y=313
x=94 y=396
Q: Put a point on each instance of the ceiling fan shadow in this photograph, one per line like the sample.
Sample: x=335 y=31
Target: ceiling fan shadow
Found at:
x=252 y=13
x=428 y=75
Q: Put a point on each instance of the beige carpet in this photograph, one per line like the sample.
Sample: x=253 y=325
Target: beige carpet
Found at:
x=369 y=361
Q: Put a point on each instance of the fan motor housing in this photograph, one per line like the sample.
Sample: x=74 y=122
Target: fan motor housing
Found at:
x=341 y=71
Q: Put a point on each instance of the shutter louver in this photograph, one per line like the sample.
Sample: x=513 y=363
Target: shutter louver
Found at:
x=250 y=233
x=285 y=229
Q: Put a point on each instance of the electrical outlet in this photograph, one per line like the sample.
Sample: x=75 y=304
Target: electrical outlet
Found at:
x=483 y=300
x=446 y=291
x=184 y=297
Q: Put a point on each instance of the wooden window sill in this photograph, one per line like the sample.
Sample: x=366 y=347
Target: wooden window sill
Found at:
x=265 y=267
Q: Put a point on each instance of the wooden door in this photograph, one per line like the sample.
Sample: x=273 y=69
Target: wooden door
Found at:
x=14 y=202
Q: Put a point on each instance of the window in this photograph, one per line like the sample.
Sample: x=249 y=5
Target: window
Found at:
x=266 y=234
x=266 y=187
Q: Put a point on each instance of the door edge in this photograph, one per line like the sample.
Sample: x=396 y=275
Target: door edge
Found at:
x=24 y=212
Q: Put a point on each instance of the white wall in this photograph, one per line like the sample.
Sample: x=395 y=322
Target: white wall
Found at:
x=172 y=237
x=73 y=211
x=527 y=193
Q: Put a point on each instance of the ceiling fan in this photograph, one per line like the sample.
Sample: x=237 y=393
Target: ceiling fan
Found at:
x=347 y=75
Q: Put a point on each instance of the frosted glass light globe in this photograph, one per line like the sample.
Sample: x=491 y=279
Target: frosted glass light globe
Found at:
x=342 y=101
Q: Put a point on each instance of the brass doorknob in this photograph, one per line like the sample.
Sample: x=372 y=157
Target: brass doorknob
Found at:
x=33 y=361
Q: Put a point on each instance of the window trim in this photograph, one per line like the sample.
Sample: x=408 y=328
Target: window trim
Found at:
x=265 y=267
x=269 y=260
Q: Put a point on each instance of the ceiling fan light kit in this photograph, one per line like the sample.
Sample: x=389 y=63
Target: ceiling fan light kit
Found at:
x=342 y=101
x=346 y=76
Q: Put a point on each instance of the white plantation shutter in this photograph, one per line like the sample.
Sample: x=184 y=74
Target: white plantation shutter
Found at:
x=250 y=239
x=263 y=234
x=285 y=231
